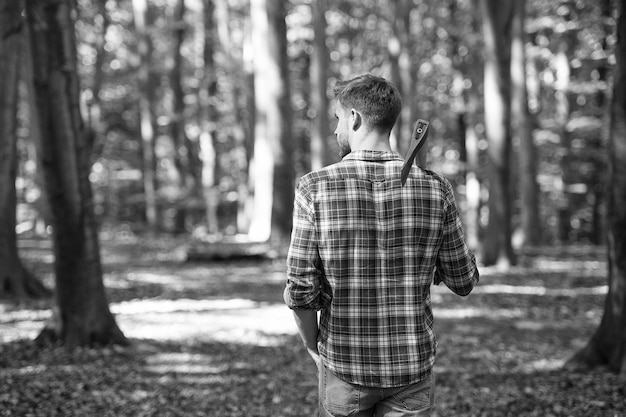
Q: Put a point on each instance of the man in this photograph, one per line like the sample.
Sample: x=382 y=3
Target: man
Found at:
x=365 y=250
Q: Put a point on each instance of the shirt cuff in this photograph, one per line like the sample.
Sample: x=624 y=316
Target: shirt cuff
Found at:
x=297 y=300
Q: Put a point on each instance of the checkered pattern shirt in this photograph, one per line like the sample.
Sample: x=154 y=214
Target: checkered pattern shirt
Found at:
x=365 y=250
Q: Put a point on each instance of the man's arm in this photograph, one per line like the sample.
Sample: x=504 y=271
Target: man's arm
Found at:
x=456 y=265
x=304 y=292
x=306 y=320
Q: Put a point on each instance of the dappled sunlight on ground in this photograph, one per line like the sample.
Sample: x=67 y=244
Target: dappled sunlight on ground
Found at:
x=539 y=290
x=21 y=323
x=168 y=313
x=467 y=312
x=543 y=365
x=225 y=320
x=184 y=363
x=18 y=330
x=235 y=320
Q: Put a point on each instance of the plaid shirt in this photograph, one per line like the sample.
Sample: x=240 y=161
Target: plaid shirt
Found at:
x=365 y=250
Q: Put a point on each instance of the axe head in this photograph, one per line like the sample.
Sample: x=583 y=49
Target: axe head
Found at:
x=420 y=133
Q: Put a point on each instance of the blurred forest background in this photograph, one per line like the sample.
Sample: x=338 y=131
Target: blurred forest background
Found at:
x=185 y=99
x=190 y=121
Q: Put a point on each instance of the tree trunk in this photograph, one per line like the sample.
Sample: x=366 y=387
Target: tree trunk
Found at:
x=94 y=103
x=522 y=123
x=403 y=73
x=561 y=86
x=272 y=164
x=83 y=313
x=320 y=132
x=237 y=61
x=146 y=126
x=42 y=203
x=246 y=187
x=607 y=347
x=177 y=120
x=471 y=158
x=15 y=280
x=497 y=15
x=598 y=231
x=465 y=102
x=208 y=121
x=284 y=174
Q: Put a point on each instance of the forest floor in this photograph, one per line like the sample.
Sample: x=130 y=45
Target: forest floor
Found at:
x=214 y=339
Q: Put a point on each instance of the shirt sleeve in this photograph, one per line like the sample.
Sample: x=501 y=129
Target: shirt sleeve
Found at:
x=306 y=284
x=456 y=265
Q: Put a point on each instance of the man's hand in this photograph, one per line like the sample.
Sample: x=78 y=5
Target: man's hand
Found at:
x=316 y=356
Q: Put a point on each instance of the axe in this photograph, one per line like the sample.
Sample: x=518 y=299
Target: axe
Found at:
x=420 y=133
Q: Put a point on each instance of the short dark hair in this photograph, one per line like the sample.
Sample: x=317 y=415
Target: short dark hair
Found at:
x=376 y=98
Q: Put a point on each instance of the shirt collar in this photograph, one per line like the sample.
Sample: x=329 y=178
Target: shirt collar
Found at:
x=365 y=155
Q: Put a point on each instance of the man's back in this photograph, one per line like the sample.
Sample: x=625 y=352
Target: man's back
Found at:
x=371 y=247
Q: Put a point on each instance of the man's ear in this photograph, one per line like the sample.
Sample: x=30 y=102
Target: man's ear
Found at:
x=356 y=119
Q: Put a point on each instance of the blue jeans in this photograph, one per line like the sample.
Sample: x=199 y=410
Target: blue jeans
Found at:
x=340 y=398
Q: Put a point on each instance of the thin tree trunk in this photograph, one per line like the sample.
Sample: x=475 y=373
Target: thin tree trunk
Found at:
x=497 y=15
x=465 y=104
x=472 y=184
x=563 y=70
x=146 y=126
x=284 y=174
x=95 y=122
x=598 y=231
x=41 y=204
x=15 y=280
x=208 y=117
x=83 y=312
x=246 y=187
x=522 y=123
x=177 y=122
x=607 y=347
x=262 y=162
x=273 y=167
x=320 y=132
x=243 y=109
x=403 y=70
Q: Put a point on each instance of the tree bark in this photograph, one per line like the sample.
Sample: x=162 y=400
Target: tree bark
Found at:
x=208 y=120
x=15 y=280
x=465 y=102
x=246 y=187
x=177 y=121
x=146 y=123
x=607 y=347
x=400 y=49
x=284 y=174
x=84 y=317
x=272 y=164
x=94 y=103
x=42 y=203
x=235 y=61
x=598 y=231
x=523 y=124
x=471 y=158
x=497 y=15
x=320 y=132
x=561 y=85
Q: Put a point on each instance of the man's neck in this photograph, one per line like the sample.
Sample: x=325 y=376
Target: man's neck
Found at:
x=372 y=142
